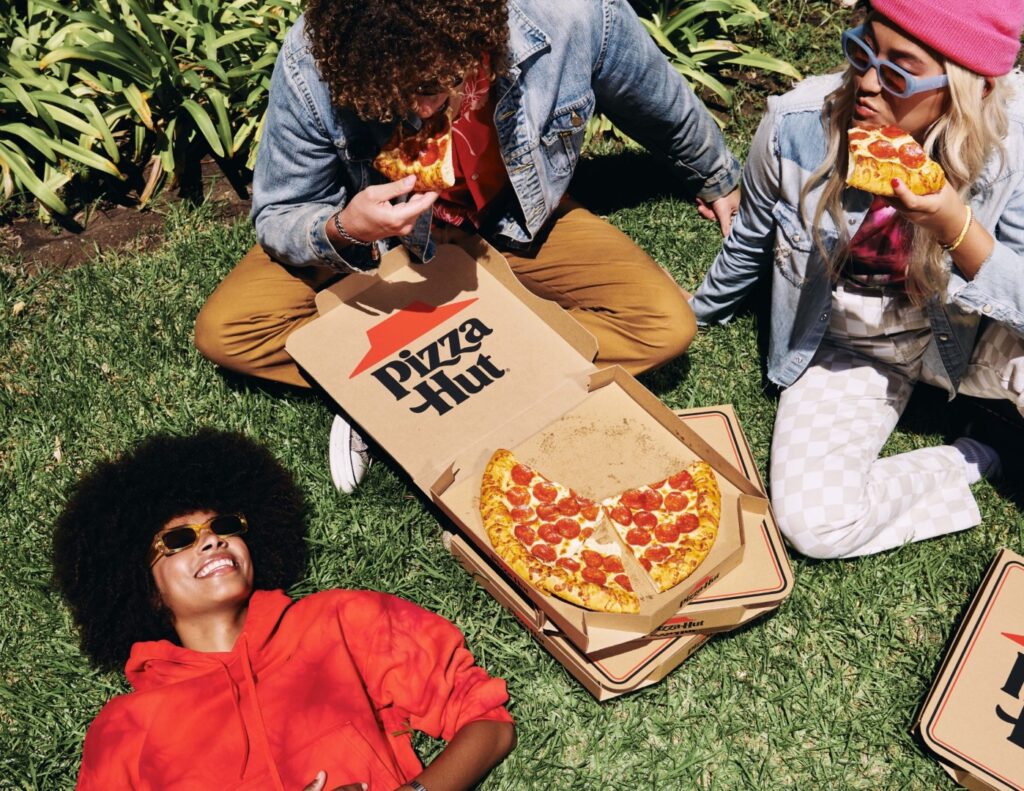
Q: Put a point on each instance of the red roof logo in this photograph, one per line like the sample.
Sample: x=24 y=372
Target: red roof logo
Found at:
x=1017 y=638
x=402 y=328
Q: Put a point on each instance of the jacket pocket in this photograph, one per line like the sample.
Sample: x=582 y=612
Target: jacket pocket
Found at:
x=562 y=137
x=793 y=244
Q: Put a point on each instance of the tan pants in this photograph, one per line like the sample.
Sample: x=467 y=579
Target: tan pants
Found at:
x=638 y=314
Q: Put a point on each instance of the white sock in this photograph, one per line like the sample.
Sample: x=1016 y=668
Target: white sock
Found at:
x=980 y=459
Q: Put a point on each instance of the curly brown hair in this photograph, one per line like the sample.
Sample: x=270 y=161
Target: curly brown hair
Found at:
x=102 y=538
x=374 y=53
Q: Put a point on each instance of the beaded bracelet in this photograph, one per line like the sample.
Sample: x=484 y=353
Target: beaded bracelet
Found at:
x=345 y=234
x=949 y=248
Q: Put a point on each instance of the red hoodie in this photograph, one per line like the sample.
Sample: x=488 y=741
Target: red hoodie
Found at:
x=333 y=681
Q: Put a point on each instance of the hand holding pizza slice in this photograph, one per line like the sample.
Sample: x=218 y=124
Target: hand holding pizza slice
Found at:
x=882 y=153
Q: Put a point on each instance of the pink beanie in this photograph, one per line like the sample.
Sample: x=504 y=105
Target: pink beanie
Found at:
x=981 y=35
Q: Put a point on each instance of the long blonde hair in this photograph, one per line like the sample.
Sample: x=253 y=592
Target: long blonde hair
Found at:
x=970 y=129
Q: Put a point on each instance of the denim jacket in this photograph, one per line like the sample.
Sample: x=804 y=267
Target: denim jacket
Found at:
x=564 y=59
x=771 y=234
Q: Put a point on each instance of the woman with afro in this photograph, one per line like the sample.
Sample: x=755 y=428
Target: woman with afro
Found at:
x=172 y=559
x=519 y=80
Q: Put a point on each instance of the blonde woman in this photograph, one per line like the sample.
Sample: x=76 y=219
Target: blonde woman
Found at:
x=872 y=295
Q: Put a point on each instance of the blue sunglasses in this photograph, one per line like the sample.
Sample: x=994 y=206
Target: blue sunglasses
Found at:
x=891 y=77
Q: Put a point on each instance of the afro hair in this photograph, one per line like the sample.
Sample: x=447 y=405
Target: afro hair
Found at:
x=103 y=536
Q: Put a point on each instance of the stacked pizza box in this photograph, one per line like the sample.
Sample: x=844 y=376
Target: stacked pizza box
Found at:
x=446 y=362
x=973 y=718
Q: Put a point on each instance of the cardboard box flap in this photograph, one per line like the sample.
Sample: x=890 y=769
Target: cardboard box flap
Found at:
x=974 y=716
x=446 y=348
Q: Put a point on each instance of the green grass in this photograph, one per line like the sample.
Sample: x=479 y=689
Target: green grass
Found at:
x=820 y=694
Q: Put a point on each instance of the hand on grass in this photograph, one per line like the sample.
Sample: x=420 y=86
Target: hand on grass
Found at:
x=721 y=209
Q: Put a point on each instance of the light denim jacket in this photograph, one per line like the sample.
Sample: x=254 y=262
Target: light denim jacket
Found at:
x=770 y=234
x=565 y=58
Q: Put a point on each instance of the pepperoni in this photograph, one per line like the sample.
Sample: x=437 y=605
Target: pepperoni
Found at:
x=544 y=552
x=882 y=149
x=657 y=554
x=517 y=495
x=594 y=575
x=525 y=534
x=545 y=492
x=634 y=498
x=568 y=506
x=592 y=559
x=657 y=484
x=676 y=501
x=622 y=515
x=892 y=132
x=638 y=537
x=522 y=474
x=681 y=480
x=645 y=563
x=623 y=580
x=912 y=155
x=586 y=533
x=652 y=499
x=429 y=155
x=569 y=528
x=667 y=534
x=858 y=136
x=645 y=519
x=590 y=512
x=550 y=533
x=522 y=513
x=612 y=564
x=687 y=523
x=547 y=512
x=568 y=563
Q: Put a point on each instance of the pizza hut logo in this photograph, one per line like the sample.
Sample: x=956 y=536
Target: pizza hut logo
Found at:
x=1013 y=686
x=435 y=372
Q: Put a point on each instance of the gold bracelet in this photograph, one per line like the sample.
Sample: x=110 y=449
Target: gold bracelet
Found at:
x=951 y=247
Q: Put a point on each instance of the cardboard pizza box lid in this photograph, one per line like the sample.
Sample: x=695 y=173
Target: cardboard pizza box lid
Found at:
x=628 y=438
x=428 y=357
x=973 y=718
x=607 y=677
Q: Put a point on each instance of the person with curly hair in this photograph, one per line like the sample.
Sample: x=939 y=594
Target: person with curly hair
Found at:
x=172 y=559
x=520 y=79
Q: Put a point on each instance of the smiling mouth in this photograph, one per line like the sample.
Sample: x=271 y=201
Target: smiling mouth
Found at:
x=215 y=565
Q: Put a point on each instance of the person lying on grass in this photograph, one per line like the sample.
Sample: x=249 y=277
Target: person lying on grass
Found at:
x=172 y=558
x=871 y=295
x=520 y=79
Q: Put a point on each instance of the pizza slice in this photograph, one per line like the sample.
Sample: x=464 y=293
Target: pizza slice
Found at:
x=878 y=154
x=546 y=533
x=670 y=525
x=426 y=154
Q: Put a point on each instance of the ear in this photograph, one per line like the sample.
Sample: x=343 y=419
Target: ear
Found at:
x=990 y=83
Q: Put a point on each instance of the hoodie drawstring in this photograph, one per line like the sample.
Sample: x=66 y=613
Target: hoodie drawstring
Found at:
x=262 y=730
x=236 y=699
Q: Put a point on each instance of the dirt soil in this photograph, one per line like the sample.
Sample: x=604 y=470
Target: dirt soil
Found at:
x=41 y=246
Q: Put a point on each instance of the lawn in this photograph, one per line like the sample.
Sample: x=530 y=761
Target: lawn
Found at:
x=820 y=694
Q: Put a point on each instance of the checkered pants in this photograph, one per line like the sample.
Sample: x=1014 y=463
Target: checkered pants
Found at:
x=831 y=493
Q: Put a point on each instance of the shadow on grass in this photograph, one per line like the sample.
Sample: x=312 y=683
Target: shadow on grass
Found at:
x=608 y=183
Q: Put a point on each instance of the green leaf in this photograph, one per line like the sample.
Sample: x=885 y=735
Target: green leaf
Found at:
x=31 y=136
x=12 y=159
x=86 y=157
x=205 y=125
x=139 y=104
x=220 y=109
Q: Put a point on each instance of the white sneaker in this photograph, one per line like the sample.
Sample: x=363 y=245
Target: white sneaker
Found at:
x=347 y=455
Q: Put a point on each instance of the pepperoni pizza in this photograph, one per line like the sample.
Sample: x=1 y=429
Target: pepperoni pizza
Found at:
x=560 y=543
x=426 y=154
x=878 y=154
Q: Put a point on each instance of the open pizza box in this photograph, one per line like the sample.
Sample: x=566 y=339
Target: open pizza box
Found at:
x=635 y=667
x=973 y=718
x=757 y=586
x=443 y=363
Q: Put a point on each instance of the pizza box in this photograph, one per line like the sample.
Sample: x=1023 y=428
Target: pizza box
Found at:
x=605 y=677
x=764 y=578
x=443 y=363
x=973 y=718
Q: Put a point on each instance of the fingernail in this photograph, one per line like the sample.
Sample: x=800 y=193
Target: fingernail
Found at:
x=895 y=183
